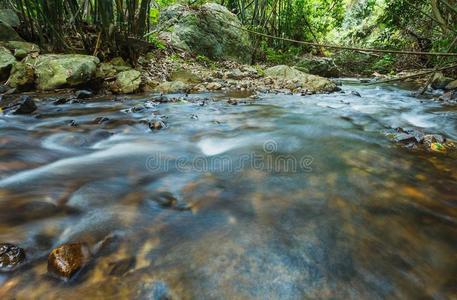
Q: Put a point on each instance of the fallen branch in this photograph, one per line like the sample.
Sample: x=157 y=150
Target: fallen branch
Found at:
x=399 y=52
x=413 y=75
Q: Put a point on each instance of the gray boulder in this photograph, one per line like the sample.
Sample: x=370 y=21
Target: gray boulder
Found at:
x=8 y=20
x=9 y=17
x=310 y=82
x=210 y=30
x=322 y=66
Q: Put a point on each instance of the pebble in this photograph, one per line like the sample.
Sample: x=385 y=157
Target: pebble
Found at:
x=67 y=260
x=11 y=257
x=355 y=93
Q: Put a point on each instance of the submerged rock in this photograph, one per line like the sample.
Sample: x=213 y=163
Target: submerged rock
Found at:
x=11 y=257
x=312 y=83
x=210 y=30
x=83 y=94
x=6 y=62
x=68 y=259
x=449 y=97
x=59 y=70
x=127 y=82
x=26 y=106
x=415 y=139
x=120 y=267
x=156 y=125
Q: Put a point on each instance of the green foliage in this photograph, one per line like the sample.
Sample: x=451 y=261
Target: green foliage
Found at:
x=279 y=56
x=202 y=59
x=101 y=26
x=384 y=65
x=154 y=14
x=153 y=39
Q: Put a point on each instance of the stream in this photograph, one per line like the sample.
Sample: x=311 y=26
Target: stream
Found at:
x=282 y=197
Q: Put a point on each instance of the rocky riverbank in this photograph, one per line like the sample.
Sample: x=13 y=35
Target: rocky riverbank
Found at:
x=202 y=49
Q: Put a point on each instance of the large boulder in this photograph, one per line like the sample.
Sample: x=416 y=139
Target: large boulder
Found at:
x=127 y=82
x=59 y=70
x=8 y=16
x=312 y=83
x=6 y=62
x=8 y=20
x=322 y=66
x=210 y=30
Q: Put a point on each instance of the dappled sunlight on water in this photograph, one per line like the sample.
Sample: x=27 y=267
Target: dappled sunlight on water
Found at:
x=285 y=197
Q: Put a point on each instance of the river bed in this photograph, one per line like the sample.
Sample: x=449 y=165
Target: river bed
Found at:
x=282 y=197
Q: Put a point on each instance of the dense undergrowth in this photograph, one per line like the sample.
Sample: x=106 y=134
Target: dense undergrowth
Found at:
x=109 y=28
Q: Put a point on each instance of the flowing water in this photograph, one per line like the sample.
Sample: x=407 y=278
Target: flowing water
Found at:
x=284 y=197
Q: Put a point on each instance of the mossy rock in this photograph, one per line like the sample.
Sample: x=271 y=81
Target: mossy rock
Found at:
x=312 y=83
x=22 y=76
x=9 y=17
x=127 y=82
x=105 y=70
x=185 y=76
x=210 y=30
x=6 y=62
x=112 y=68
x=55 y=71
x=170 y=87
x=7 y=33
x=451 y=85
x=21 y=49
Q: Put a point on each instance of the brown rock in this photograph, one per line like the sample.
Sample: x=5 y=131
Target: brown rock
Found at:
x=68 y=259
x=214 y=86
